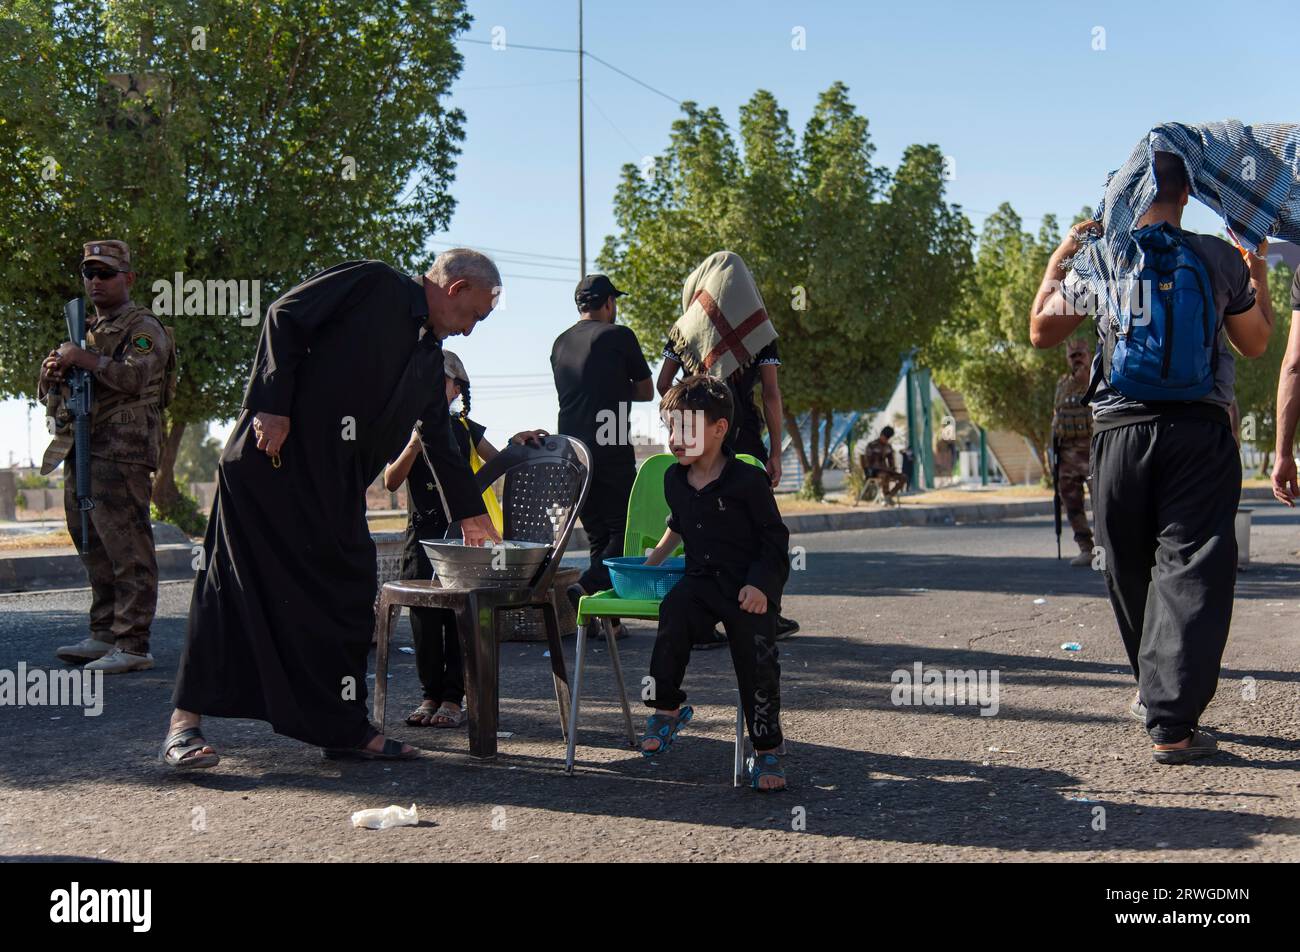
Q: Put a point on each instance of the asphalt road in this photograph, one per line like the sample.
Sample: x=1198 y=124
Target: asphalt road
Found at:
x=1060 y=772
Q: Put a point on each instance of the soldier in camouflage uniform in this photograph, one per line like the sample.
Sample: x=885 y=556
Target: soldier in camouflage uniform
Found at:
x=1072 y=434
x=128 y=354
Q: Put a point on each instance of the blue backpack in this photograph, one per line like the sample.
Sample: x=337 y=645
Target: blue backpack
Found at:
x=1165 y=345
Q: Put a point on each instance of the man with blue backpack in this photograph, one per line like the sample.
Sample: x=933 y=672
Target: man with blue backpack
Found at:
x=1165 y=463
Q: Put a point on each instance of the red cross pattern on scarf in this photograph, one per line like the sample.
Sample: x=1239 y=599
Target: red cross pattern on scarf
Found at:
x=732 y=337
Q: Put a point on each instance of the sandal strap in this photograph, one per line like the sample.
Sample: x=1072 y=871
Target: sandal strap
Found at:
x=177 y=738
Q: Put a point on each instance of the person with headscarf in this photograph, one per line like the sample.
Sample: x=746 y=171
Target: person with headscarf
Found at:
x=725 y=332
x=1165 y=463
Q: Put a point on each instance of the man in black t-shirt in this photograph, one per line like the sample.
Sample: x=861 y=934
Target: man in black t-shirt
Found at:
x=599 y=372
x=1167 y=481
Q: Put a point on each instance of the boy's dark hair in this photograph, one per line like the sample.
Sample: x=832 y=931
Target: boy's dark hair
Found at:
x=1171 y=178
x=887 y=432
x=700 y=392
x=592 y=305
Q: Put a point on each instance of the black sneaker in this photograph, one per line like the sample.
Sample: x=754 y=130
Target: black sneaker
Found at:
x=785 y=627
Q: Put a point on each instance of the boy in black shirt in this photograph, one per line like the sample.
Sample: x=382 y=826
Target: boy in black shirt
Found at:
x=736 y=567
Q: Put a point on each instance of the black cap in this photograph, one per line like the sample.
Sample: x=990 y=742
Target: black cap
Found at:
x=593 y=290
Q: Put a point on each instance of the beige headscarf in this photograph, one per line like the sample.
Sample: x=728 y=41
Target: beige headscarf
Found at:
x=452 y=366
x=723 y=323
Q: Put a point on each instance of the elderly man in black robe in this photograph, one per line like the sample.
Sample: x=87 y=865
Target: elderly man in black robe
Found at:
x=282 y=612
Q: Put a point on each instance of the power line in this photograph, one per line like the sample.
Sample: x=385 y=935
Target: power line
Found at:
x=544 y=82
x=603 y=115
x=504 y=251
x=657 y=92
x=535 y=277
x=515 y=46
x=534 y=264
x=587 y=53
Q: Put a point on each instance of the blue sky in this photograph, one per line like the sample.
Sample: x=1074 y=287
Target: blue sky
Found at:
x=1014 y=92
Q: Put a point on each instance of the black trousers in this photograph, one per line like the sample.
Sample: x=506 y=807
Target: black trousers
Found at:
x=437 y=645
x=750 y=441
x=604 y=518
x=1166 y=500
x=688 y=613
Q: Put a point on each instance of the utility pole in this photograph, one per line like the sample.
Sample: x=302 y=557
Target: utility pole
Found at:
x=582 y=182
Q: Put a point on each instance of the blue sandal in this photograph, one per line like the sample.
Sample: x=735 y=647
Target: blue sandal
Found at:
x=767 y=764
x=664 y=728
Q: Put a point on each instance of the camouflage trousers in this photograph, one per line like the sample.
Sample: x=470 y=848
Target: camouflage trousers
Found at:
x=1073 y=477
x=120 y=556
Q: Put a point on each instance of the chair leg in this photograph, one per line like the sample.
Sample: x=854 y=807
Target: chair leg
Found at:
x=479 y=655
x=576 y=695
x=614 y=661
x=739 y=759
x=558 y=673
x=383 y=632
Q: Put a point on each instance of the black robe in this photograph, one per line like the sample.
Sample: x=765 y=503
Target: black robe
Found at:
x=282 y=612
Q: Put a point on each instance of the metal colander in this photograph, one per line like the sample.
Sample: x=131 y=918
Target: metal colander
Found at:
x=458 y=565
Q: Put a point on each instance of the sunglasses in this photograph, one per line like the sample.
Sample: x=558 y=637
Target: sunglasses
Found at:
x=104 y=274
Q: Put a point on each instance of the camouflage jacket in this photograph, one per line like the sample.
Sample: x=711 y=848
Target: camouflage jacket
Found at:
x=126 y=418
x=1073 y=418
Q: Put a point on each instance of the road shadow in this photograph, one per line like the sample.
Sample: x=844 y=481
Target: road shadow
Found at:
x=887 y=572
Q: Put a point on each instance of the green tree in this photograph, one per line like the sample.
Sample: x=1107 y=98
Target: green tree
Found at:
x=985 y=351
x=197 y=456
x=225 y=139
x=1256 y=383
x=857 y=264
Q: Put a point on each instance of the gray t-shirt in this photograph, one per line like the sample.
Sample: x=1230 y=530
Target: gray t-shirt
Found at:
x=1232 y=293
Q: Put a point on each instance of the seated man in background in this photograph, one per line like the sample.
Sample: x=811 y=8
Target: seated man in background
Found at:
x=877 y=462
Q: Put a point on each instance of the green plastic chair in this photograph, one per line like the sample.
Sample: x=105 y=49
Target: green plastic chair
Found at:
x=647 y=510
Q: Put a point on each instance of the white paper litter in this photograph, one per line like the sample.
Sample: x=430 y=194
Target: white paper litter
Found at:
x=386 y=819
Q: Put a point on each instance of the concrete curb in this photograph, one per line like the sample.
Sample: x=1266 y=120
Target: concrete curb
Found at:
x=32 y=573
x=175 y=561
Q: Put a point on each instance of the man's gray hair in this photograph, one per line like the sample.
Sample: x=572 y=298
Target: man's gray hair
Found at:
x=458 y=264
